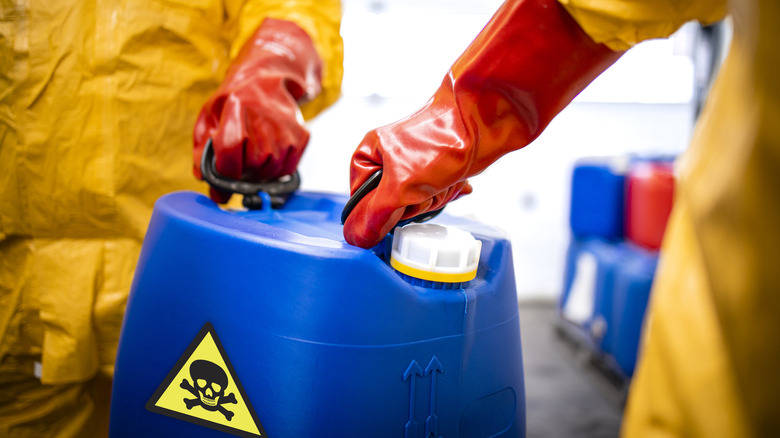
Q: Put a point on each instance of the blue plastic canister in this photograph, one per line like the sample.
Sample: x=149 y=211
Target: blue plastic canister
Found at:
x=588 y=296
x=598 y=198
x=607 y=287
x=633 y=282
x=313 y=337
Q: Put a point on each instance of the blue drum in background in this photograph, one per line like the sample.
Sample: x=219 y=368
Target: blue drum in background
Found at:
x=598 y=198
x=607 y=288
x=266 y=323
x=588 y=301
x=632 y=284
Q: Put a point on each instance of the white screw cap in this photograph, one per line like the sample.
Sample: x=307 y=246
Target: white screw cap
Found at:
x=435 y=252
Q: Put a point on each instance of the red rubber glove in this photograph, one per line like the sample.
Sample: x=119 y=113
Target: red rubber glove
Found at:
x=253 y=118
x=525 y=66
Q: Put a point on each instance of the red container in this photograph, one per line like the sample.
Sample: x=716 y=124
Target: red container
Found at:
x=650 y=195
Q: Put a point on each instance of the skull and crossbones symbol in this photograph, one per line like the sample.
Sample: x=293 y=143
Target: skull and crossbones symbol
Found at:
x=209 y=390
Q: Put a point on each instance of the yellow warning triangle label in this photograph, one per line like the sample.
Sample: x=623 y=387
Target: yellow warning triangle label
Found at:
x=202 y=388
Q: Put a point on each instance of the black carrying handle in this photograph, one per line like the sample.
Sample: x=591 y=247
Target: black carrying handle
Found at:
x=371 y=183
x=278 y=190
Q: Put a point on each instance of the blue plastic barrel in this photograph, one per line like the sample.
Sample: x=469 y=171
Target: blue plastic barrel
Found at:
x=587 y=300
x=633 y=282
x=312 y=337
x=606 y=291
x=598 y=198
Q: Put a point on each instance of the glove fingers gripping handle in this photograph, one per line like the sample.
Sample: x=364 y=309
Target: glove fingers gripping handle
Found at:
x=371 y=183
x=277 y=191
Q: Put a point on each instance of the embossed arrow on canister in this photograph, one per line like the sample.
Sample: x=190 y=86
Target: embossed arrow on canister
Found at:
x=412 y=371
x=432 y=422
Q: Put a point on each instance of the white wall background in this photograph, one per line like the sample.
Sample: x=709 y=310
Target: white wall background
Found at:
x=396 y=54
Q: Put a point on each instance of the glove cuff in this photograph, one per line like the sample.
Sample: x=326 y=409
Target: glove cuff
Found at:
x=524 y=67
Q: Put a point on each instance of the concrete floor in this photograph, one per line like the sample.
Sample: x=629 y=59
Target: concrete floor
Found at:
x=566 y=394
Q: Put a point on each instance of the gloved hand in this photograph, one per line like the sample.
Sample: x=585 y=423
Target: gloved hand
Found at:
x=525 y=66
x=253 y=118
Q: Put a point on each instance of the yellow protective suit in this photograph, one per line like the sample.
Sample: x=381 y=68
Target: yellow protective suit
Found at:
x=709 y=364
x=97 y=106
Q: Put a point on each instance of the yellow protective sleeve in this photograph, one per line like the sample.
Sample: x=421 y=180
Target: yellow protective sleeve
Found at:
x=711 y=342
x=321 y=19
x=622 y=24
x=708 y=366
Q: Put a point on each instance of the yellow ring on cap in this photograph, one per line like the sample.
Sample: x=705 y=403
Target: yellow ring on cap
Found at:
x=441 y=277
